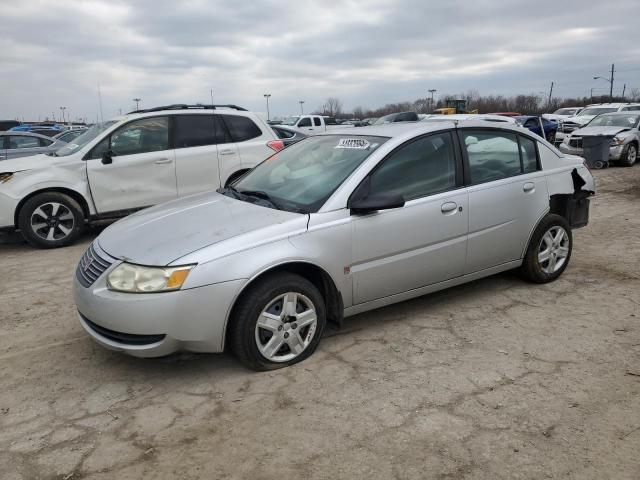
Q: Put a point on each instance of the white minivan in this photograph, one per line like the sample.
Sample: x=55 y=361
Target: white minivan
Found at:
x=127 y=164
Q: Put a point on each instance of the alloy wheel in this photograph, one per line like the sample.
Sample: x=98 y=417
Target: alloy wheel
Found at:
x=286 y=327
x=632 y=154
x=553 y=250
x=52 y=221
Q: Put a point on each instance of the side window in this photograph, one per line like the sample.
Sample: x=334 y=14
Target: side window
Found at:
x=20 y=141
x=529 y=156
x=99 y=150
x=316 y=122
x=531 y=123
x=44 y=142
x=305 y=122
x=241 y=128
x=492 y=155
x=141 y=136
x=422 y=167
x=194 y=130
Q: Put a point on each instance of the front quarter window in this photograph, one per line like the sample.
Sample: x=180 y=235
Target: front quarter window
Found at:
x=84 y=139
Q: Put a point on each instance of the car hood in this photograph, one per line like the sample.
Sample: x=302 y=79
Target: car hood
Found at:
x=592 y=131
x=162 y=234
x=580 y=119
x=27 y=163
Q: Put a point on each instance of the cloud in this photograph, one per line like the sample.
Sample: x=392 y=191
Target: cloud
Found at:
x=365 y=52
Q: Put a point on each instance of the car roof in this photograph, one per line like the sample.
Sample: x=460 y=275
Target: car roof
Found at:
x=620 y=114
x=25 y=134
x=407 y=129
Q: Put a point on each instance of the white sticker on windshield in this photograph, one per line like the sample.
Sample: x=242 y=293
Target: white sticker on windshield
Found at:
x=353 y=143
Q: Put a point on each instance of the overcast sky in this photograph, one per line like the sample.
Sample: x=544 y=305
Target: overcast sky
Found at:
x=366 y=53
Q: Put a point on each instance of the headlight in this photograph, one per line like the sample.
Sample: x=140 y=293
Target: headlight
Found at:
x=5 y=177
x=128 y=277
x=617 y=141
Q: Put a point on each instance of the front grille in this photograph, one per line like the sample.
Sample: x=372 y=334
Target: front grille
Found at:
x=119 y=337
x=575 y=142
x=91 y=266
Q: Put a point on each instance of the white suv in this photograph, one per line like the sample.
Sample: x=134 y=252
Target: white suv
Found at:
x=127 y=164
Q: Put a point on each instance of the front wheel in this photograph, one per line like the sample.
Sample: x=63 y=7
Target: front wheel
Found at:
x=630 y=156
x=278 y=322
x=549 y=250
x=50 y=220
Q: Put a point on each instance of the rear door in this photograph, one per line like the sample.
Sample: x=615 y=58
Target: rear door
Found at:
x=424 y=242
x=196 y=152
x=507 y=195
x=142 y=170
x=249 y=138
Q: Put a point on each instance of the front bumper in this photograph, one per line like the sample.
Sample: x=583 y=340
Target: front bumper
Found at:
x=615 y=153
x=156 y=324
x=7 y=210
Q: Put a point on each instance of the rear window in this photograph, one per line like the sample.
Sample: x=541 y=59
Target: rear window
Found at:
x=241 y=128
x=194 y=131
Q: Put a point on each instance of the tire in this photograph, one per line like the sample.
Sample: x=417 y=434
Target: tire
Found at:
x=51 y=220
x=630 y=155
x=254 y=344
x=535 y=267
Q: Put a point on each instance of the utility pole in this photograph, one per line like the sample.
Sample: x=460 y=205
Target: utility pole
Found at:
x=591 y=94
x=550 y=93
x=623 y=90
x=301 y=109
x=611 y=86
x=211 y=93
x=432 y=91
x=137 y=100
x=267 y=95
x=62 y=109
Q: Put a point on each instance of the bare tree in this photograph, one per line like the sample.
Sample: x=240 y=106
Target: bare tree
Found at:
x=333 y=107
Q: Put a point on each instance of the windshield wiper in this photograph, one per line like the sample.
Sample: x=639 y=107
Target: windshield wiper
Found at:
x=259 y=194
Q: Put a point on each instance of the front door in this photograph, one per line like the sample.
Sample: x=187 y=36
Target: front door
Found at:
x=424 y=242
x=142 y=169
x=507 y=195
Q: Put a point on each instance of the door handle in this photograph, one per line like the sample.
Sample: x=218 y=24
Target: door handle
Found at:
x=226 y=152
x=160 y=161
x=529 y=187
x=449 y=208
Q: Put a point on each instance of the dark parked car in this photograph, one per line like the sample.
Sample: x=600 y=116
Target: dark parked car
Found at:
x=8 y=124
x=23 y=144
x=398 y=117
x=48 y=130
x=288 y=135
x=531 y=122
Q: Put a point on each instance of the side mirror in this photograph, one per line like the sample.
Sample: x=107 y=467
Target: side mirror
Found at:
x=107 y=157
x=375 y=202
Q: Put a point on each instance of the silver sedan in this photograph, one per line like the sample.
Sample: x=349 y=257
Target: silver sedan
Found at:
x=23 y=144
x=332 y=226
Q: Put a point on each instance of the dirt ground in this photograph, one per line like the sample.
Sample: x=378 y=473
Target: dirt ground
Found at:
x=495 y=379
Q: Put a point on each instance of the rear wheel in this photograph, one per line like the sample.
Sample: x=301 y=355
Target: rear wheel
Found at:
x=278 y=322
x=50 y=220
x=549 y=250
x=630 y=156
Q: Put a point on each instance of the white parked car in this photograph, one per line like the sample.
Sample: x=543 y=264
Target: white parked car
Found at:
x=587 y=114
x=312 y=124
x=127 y=164
x=562 y=113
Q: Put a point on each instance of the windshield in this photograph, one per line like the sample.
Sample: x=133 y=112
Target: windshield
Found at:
x=628 y=121
x=566 y=111
x=290 y=120
x=301 y=177
x=597 y=111
x=83 y=139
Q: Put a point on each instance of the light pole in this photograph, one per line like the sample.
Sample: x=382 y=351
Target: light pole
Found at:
x=301 y=109
x=137 y=100
x=432 y=91
x=267 y=95
x=610 y=82
x=62 y=109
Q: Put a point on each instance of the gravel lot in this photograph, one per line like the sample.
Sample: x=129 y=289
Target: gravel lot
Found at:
x=494 y=379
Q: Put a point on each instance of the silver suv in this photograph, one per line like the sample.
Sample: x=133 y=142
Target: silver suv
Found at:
x=332 y=226
x=127 y=164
